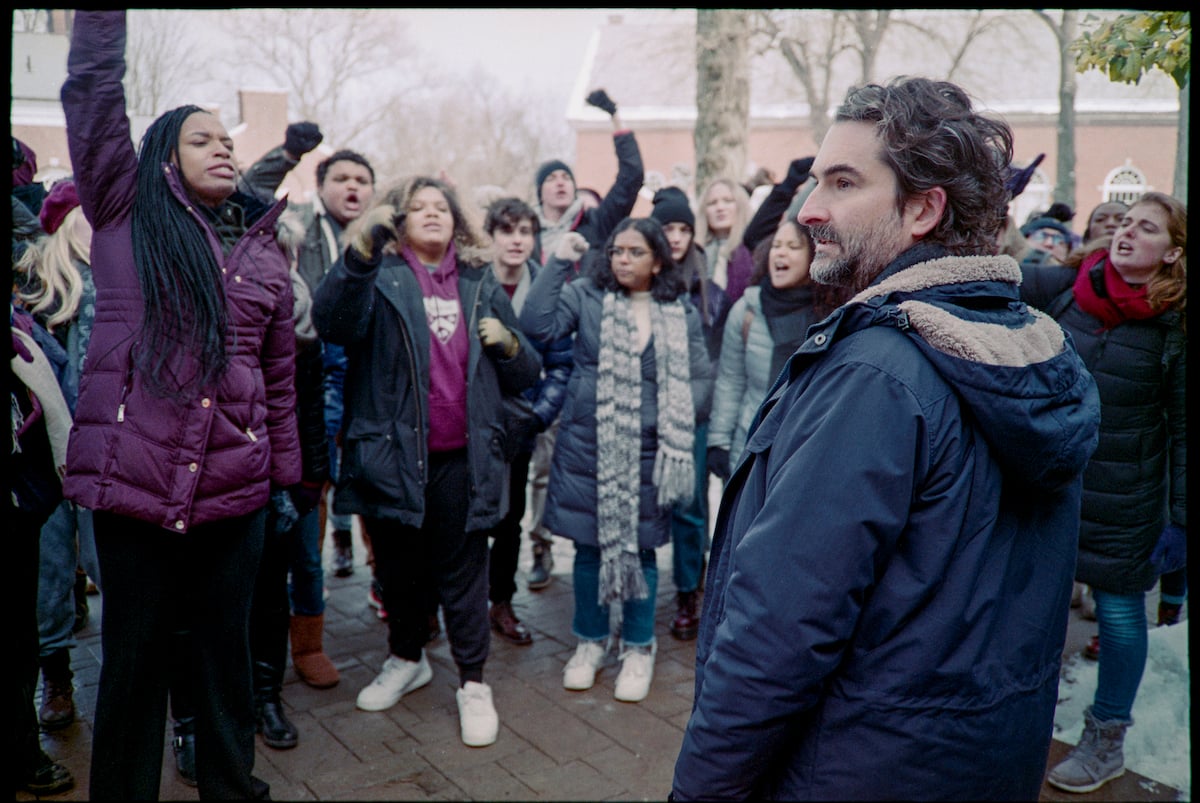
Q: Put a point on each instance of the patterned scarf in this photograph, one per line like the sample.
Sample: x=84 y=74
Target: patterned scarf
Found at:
x=1107 y=296
x=619 y=435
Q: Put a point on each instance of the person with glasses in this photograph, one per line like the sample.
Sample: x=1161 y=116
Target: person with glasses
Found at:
x=1051 y=237
x=624 y=452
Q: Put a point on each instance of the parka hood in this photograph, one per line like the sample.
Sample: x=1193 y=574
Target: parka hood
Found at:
x=1013 y=366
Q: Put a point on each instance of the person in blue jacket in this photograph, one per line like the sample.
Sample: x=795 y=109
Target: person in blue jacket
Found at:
x=892 y=566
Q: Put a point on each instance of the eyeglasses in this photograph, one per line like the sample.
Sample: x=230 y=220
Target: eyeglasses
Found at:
x=1050 y=237
x=634 y=253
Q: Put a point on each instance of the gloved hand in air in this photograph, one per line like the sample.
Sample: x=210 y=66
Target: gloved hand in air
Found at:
x=302 y=138
x=378 y=228
x=600 y=99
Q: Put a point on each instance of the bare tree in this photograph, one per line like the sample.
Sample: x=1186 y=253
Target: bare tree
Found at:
x=809 y=42
x=722 y=94
x=160 y=60
x=869 y=28
x=341 y=67
x=956 y=44
x=1065 y=29
x=472 y=130
x=30 y=20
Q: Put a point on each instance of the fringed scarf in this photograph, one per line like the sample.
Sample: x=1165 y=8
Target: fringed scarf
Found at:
x=619 y=436
x=1107 y=296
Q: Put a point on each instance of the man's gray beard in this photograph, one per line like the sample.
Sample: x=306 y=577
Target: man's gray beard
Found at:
x=837 y=272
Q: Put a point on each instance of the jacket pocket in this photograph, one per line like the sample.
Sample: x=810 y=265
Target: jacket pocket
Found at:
x=374 y=460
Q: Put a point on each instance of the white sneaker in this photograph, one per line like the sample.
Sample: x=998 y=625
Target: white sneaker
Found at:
x=580 y=672
x=397 y=679
x=477 y=715
x=637 y=670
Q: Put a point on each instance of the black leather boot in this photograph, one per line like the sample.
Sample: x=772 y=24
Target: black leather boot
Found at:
x=273 y=724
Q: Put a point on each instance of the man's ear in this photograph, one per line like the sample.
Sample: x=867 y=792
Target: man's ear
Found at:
x=924 y=211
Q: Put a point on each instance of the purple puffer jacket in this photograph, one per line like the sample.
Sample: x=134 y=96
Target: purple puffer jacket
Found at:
x=179 y=464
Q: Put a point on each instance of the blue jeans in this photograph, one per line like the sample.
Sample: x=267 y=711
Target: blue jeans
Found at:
x=591 y=618
x=307 y=585
x=689 y=523
x=65 y=539
x=340 y=521
x=1123 y=646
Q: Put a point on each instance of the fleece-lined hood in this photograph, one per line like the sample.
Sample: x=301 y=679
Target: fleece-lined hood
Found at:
x=1013 y=366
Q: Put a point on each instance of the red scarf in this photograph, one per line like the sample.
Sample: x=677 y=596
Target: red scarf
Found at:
x=1121 y=301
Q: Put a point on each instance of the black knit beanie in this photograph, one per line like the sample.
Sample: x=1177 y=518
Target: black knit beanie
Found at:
x=671 y=206
x=546 y=168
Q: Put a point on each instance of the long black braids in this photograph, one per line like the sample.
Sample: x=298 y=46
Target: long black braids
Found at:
x=184 y=321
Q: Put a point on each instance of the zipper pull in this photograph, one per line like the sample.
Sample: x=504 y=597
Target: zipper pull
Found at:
x=253 y=437
x=120 y=412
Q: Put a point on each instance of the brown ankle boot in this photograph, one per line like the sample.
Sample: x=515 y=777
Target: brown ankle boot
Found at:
x=58 y=691
x=308 y=656
x=687 y=620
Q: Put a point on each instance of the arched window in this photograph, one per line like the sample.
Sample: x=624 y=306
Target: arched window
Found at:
x=1125 y=184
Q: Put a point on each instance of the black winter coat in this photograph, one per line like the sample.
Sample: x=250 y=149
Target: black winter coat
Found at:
x=1135 y=483
x=377 y=312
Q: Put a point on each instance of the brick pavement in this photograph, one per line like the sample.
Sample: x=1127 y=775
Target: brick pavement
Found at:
x=554 y=744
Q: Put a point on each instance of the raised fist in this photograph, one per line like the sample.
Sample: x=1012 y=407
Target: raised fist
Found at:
x=302 y=138
x=571 y=247
x=378 y=228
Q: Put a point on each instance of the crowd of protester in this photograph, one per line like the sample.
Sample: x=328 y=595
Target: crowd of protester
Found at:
x=207 y=379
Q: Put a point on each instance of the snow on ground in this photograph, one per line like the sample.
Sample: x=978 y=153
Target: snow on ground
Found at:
x=1158 y=745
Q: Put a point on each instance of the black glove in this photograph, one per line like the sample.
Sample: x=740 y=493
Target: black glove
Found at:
x=1015 y=178
x=285 y=512
x=718 y=462
x=306 y=496
x=797 y=172
x=302 y=138
x=1170 y=553
x=600 y=99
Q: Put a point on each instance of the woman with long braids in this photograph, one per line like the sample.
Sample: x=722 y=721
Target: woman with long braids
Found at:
x=185 y=420
x=623 y=456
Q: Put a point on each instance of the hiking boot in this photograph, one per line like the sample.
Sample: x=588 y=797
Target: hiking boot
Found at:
x=58 y=691
x=506 y=623
x=687 y=620
x=476 y=714
x=543 y=563
x=637 y=670
x=397 y=679
x=343 y=553
x=1096 y=760
x=1168 y=613
x=580 y=672
x=1092 y=650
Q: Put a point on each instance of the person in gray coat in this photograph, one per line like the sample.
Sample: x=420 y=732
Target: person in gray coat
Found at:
x=623 y=455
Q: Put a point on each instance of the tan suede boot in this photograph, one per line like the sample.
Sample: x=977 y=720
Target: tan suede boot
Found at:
x=308 y=656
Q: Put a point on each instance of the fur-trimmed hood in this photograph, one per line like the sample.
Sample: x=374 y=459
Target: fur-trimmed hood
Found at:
x=1013 y=366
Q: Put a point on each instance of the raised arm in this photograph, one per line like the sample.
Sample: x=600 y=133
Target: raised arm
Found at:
x=98 y=135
